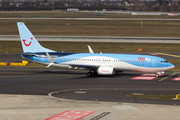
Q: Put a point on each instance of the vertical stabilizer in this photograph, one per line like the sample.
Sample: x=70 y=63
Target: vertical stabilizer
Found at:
x=28 y=41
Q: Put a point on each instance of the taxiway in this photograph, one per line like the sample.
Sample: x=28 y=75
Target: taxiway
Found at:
x=39 y=93
x=96 y=39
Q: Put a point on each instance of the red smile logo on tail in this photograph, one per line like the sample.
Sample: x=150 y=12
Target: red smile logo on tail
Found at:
x=24 y=41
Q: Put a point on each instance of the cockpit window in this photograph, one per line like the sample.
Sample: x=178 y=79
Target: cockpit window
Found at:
x=164 y=61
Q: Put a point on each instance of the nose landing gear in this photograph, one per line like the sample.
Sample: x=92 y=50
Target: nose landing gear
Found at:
x=159 y=73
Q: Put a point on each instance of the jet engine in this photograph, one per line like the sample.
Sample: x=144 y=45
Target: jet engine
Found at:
x=104 y=70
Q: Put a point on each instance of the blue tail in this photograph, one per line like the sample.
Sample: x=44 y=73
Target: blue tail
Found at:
x=28 y=41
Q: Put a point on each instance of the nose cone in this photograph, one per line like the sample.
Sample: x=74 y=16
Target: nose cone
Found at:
x=170 y=66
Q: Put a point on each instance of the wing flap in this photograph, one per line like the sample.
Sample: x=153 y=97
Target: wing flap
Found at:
x=80 y=65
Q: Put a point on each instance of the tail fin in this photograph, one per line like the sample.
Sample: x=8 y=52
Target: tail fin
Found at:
x=28 y=41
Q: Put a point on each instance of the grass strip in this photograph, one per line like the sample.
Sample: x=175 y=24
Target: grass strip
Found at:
x=128 y=28
x=81 y=47
x=66 y=14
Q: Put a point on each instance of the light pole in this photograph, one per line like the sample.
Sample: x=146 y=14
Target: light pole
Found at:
x=52 y=5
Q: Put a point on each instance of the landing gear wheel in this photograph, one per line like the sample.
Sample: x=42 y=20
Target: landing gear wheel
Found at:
x=157 y=75
x=89 y=74
x=95 y=73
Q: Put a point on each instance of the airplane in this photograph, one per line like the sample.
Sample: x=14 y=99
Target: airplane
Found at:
x=94 y=63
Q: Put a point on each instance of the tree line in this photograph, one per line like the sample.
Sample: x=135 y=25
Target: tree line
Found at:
x=133 y=5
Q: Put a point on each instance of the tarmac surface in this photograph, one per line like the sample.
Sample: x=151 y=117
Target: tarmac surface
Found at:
x=42 y=81
x=129 y=19
x=40 y=93
x=96 y=39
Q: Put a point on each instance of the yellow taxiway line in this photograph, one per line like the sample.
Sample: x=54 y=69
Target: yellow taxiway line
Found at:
x=166 y=77
x=168 y=55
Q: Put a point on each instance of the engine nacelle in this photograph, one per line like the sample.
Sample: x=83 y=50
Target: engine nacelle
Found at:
x=105 y=71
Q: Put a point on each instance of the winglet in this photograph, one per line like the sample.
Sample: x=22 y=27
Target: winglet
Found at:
x=90 y=49
x=50 y=59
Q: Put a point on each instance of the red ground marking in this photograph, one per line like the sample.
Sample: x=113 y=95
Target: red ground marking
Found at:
x=143 y=78
x=176 y=79
x=71 y=115
x=146 y=77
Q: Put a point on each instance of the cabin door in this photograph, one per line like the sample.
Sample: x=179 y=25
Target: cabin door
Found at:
x=153 y=62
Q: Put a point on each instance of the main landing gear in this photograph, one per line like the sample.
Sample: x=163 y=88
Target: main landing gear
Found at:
x=91 y=73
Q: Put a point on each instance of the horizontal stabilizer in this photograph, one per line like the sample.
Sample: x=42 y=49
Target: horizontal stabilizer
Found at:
x=50 y=59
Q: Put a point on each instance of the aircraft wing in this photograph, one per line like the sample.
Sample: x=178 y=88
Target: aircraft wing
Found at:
x=81 y=66
x=90 y=49
x=71 y=65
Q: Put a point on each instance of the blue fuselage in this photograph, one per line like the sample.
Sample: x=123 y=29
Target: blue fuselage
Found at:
x=120 y=62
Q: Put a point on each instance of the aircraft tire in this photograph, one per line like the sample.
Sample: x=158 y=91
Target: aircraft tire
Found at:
x=89 y=74
x=95 y=73
x=157 y=75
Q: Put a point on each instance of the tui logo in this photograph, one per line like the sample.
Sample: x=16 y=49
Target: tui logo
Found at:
x=24 y=41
